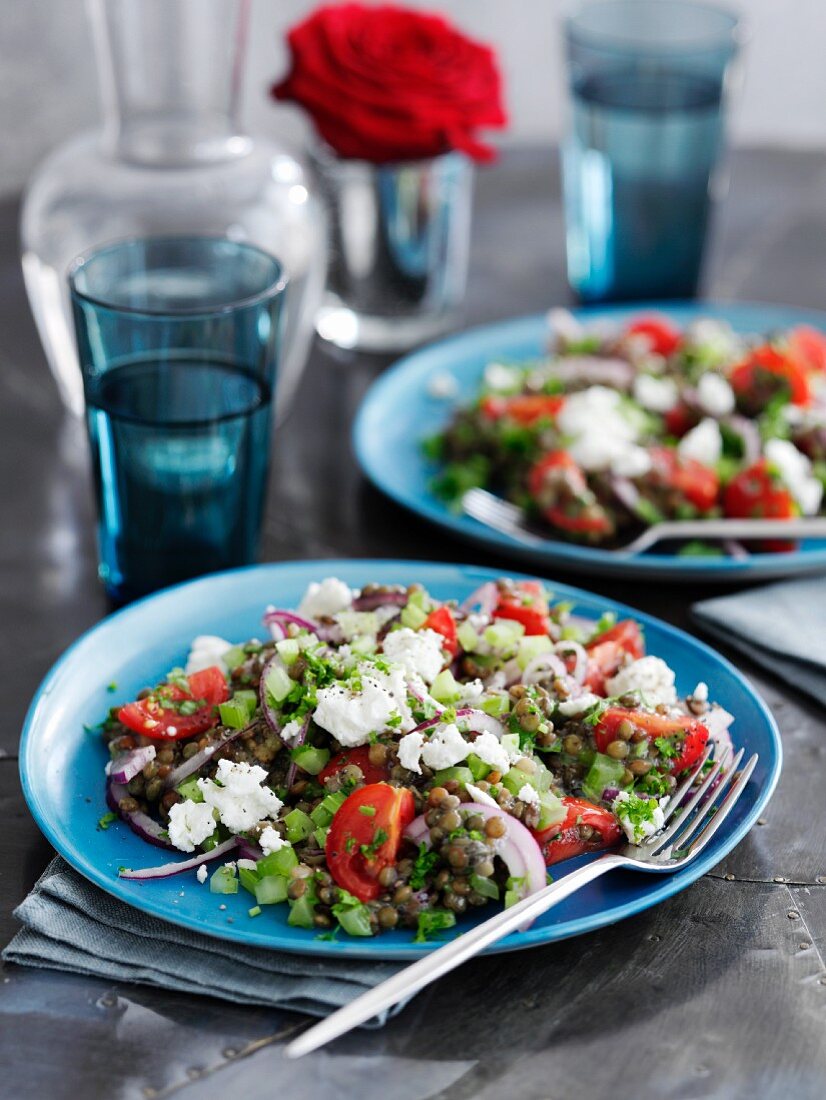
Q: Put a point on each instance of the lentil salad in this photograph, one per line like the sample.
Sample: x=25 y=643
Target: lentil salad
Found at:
x=624 y=425
x=388 y=760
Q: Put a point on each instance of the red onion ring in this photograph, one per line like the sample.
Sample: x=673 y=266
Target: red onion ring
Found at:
x=581 y=666
x=140 y=823
x=129 y=764
x=167 y=870
x=196 y=762
x=545 y=662
x=288 y=618
x=374 y=600
x=517 y=848
x=484 y=599
x=300 y=739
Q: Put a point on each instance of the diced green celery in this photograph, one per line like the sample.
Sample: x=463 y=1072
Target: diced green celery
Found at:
x=516 y=779
x=496 y=704
x=299 y=825
x=532 y=645
x=363 y=643
x=445 y=689
x=355 y=623
x=234 y=657
x=271 y=890
x=484 y=886
x=461 y=775
x=514 y=891
x=323 y=813
x=504 y=634
x=551 y=810
x=278 y=683
x=478 y=768
x=255 y=911
x=603 y=772
x=320 y=835
x=248 y=878
x=310 y=759
x=288 y=650
x=210 y=842
x=234 y=713
x=355 y=920
x=413 y=617
x=248 y=697
x=301 y=910
x=224 y=881
x=277 y=863
x=468 y=638
x=190 y=789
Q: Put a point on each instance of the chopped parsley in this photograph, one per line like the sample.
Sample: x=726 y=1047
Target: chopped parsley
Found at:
x=370 y=851
x=368 y=811
x=424 y=863
x=665 y=748
x=107 y=820
x=431 y=922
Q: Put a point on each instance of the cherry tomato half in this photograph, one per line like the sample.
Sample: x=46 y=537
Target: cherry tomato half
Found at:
x=769 y=362
x=365 y=836
x=698 y=484
x=528 y=606
x=441 y=620
x=807 y=347
x=757 y=493
x=159 y=715
x=525 y=408
x=564 y=840
x=663 y=337
x=562 y=492
x=606 y=653
x=373 y=773
x=686 y=735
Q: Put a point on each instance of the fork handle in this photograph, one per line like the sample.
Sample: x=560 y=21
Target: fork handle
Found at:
x=440 y=962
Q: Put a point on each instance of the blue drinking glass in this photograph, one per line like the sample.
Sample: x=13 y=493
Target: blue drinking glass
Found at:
x=178 y=340
x=648 y=81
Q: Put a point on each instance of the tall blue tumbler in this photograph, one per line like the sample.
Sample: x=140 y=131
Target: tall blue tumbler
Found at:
x=178 y=340
x=648 y=82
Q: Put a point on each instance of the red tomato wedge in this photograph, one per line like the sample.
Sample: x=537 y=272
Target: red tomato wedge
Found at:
x=441 y=620
x=525 y=409
x=606 y=654
x=699 y=484
x=365 y=836
x=768 y=360
x=373 y=773
x=563 y=840
x=686 y=735
x=573 y=506
x=807 y=347
x=159 y=715
x=663 y=337
x=680 y=420
x=528 y=606
x=758 y=493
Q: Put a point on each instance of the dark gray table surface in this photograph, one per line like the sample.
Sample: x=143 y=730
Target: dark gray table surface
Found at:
x=719 y=992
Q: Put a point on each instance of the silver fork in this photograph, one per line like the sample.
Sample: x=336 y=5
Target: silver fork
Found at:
x=503 y=516
x=686 y=831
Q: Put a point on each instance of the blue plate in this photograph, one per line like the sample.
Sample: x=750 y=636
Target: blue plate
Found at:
x=398 y=413
x=62 y=765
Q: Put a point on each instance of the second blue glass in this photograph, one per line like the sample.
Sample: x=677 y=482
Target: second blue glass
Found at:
x=648 y=81
x=178 y=340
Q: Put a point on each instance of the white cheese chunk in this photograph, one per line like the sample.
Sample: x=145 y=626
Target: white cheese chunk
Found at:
x=579 y=704
x=201 y=873
x=239 y=796
x=410 y=751
x=480 y=796
x=325 y=599
x=190 y=823
x=491 y=752
x=502 y=379
x=658 y=395
x=206 y=650
x=795 y=471
x=445 y=747
x=272 y=841
x=353 y=716
x=419 y=652
x=714 y=395
x=528 y=794
x=651 y=677
x=704 y=443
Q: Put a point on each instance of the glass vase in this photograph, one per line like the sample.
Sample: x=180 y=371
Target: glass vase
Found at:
x=170 y=158
x=399 y=244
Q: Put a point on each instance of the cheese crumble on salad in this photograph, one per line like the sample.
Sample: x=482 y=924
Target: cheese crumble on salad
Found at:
x=387 y=759
x=626 y=425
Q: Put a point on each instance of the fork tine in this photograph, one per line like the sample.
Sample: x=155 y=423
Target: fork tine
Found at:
x=705 y=811
x=723 y=810
x=683 y=789
x=662 y=840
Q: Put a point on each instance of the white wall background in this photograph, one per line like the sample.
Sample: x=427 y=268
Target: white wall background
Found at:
x=48 y=90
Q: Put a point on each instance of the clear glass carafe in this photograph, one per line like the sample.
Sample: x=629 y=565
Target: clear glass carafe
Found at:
x=170 y=158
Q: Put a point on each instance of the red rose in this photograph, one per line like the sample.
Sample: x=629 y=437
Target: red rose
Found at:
x=387 y=84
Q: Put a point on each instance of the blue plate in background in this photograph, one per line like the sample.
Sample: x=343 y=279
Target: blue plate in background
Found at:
x=398 y=412
x=61 y=764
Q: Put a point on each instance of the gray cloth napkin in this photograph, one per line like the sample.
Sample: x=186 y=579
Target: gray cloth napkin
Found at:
x=781 y=626
x=70 y=924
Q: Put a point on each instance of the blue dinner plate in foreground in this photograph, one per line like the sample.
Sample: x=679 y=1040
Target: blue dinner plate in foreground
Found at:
x=62 y=764
x=399 y=412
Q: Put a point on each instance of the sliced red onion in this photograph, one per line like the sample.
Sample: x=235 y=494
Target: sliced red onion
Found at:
x=267 y=707
x=749 y=434
x=199 y=760
x=735 y=549
x=374 y=600
x=288 y=618
x=581 y=665
x=717 y=721
x=140 y=823
x=248 y=850
x=483 y=600
x=536 y=669
x=517 y=848
x=512 y=672
x=626 y=493
x=430 y=722
x=477 y=721
x=129 y=764
x=593 y=370
x=420 y=694
x=610 y=793
x=167 y=870
x=301 y=737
